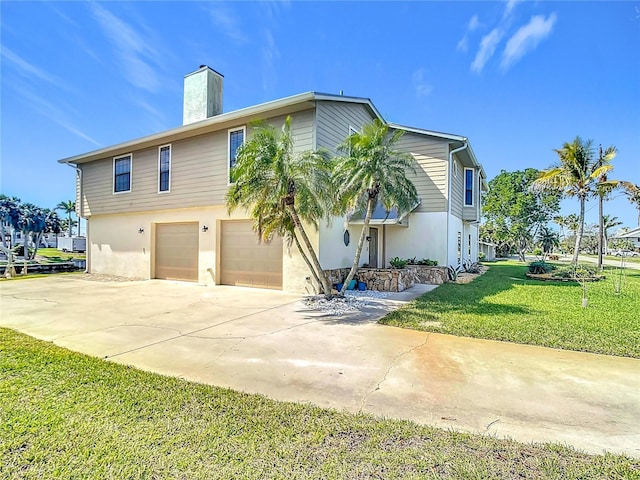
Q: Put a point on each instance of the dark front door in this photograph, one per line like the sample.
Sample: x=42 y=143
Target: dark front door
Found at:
x=373 y=247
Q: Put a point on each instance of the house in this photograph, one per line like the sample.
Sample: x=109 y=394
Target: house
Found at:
x=633 y=236
x=155 y=205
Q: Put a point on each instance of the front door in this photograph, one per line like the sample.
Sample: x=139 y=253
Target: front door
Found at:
x=373 y=247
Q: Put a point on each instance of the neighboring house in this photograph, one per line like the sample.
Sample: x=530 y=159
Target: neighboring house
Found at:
x=633 y=236
x=155 y=206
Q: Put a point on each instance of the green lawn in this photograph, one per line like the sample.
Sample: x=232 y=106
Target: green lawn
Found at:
x=504 y=305
x=617 y=259
x=55 y=253
x=69 y=416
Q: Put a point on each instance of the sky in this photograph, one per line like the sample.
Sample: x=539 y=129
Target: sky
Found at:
x=518 y=78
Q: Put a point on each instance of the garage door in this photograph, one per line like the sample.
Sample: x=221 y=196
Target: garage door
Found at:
x=177 y=251
x=244 y=261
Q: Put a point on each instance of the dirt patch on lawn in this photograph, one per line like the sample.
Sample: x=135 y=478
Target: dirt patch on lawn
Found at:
x=466 y=277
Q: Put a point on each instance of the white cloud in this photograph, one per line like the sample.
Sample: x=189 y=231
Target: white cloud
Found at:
x=527 y=39
x=422 y=87
x=487 y=48
x=227 y=23
x=473 y=24
x=270 y=54
x=508 y=8
x=27 y=69
x=134 y=50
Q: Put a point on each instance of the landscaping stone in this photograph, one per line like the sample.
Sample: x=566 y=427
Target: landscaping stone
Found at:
x=392 y=279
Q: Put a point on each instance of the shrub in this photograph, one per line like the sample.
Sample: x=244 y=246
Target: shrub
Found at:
x=537 y=251
x=397 y=262
x=481 y=257
x=539 y=267
x=578 y=272
x=428 y=262
x=412 y=261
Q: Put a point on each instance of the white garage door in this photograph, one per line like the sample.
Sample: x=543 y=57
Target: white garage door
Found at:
x=244 y=261
x=177 y=251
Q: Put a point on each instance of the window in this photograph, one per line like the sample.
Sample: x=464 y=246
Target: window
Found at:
x=236 y=138
x=122 y=174
x=468 y=187
x=164 y=168
x=469 y=245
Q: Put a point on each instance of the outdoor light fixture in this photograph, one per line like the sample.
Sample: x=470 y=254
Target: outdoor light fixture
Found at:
x=368 y=239
x=141 y=230
x=205 y=228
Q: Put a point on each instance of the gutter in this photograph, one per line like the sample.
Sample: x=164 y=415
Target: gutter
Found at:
x=451 y=160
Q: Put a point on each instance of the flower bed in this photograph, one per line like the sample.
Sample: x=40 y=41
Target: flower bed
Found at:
x=392 y=279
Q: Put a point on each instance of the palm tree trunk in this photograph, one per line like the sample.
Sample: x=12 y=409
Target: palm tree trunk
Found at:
x=600 y=231
x=576 y=248
x=356 y=261
x=318 y=284
x=314 y=258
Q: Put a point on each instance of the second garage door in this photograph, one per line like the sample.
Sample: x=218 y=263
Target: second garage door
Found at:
x=177 y=251
x=244 y=261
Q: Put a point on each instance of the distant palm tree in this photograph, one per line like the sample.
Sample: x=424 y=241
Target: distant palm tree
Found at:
x=604 y=188
x=281 y=188
x=548 y=239
x=633 y=194
x=574 y=175
x=373 y=171
x=608 y=222
x=68 y=207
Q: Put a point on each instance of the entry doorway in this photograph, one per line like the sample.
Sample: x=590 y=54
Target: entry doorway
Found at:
x=373 y=247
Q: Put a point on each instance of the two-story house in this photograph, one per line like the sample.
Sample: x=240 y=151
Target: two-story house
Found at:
x=155 y=205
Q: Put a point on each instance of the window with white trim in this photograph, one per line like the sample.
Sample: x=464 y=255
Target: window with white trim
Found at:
x=164 y=168
x=236 y=138
x=468 y=187
x=122 y=174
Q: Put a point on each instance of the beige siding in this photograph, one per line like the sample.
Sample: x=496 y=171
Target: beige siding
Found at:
x=457 y=189
x=198 y=173
x=333 y=120
x=430 y=178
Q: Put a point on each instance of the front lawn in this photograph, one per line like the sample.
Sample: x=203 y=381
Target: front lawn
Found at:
x=504 y=305
x=59 y=255
x=66 y=415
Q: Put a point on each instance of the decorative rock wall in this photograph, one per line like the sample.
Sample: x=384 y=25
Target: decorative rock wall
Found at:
x=391 y=279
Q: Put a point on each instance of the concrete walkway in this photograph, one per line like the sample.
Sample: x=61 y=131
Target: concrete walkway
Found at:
x=268 y=342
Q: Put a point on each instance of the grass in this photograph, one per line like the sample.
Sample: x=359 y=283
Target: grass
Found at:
x=54 y=253
x=614 y=258
x=70 y=416
x=504 y=305
x=35 y=275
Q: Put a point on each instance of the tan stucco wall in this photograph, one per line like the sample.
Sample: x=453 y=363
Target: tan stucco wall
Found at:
x=116 y=248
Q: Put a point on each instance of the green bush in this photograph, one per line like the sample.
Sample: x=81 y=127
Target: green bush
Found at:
x=580 y=271
x=539 y=267
x=397 y=262
x=481 y=257
x=412 y=261
x=428 y=262
x=537 y=251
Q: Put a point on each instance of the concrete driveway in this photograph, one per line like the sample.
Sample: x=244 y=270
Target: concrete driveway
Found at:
x=268 y=342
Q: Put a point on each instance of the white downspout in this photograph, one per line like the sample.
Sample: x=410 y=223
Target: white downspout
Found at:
x=451 y=160
x=80 y=210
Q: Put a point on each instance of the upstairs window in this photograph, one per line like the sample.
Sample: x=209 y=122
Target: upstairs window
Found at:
x=468 y=187
x=236 y=138
x=164 y=168
x=122 y=174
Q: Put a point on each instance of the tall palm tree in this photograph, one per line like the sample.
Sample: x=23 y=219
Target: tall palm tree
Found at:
x=548 y=239
x=68 y=207
x=281 y=188
x=574 y=175
x=561 y=222
x=603 y=190
x=608 y=222
x=373 y=171
x=633 y=194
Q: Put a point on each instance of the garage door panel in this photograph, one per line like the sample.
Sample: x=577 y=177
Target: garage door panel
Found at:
x=246 y=262
x=176 y=251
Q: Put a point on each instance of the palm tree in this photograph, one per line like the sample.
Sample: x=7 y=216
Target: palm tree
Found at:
x=604 y=188
x=68 y=207
x=575 y=175
x=548 y=239
x=280 y=188
x=561 y=222
x=633 y=194
x=373 y=171
x=608 y=222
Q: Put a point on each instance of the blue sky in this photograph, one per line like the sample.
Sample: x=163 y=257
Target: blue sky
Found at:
x=518 y=78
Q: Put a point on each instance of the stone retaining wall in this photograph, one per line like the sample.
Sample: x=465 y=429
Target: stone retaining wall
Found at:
x=391 y=279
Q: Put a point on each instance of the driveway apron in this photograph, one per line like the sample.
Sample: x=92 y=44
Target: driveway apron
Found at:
x=269 y=342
